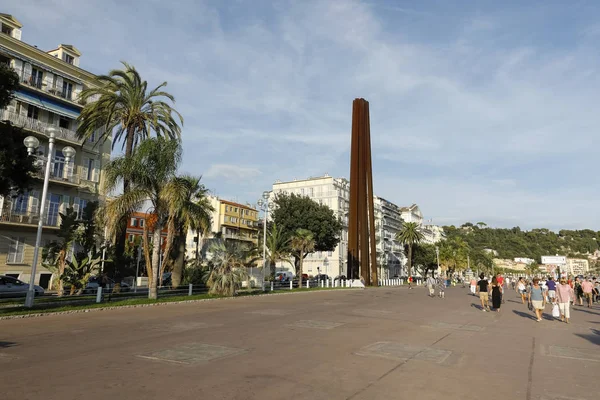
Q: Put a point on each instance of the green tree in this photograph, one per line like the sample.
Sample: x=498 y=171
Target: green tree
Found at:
x=78 y=271
x=294 y=212
x=228 y=267
x=302 y=244
x=532 y=268
x=278 y=247
x=189 y=208
x=151 y=170
x=424 y=258
x=55 y=254
x=409 y=235
x=122 y=108
x=16 y=166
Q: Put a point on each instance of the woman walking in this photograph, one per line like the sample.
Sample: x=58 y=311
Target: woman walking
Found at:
x=496 y=294
x=578 y=291
x=536 y=298
x=522 y=289
x=564 y=295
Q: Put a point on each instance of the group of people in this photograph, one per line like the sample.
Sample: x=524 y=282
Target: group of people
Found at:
x=436 y=283
x=537 y=293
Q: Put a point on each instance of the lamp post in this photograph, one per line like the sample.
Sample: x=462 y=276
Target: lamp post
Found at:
x=437 y=256
x=264 y=205
x=32 y=143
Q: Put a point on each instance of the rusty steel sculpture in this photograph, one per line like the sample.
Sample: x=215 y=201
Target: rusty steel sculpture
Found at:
x=362 y=255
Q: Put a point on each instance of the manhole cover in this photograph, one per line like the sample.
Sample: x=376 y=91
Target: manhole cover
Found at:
x=269 y=312
x=404 y=352
x=574 y=353
x=193 y=353
x=315 y=324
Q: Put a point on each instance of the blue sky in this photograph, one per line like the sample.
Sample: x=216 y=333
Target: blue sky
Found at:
x=480 y=111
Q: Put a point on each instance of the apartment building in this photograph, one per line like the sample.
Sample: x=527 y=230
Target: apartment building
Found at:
x=48 y=97
x=412 y=214
x=135 y=229
x=230 y=221
x=390 y=252
x=335 y=194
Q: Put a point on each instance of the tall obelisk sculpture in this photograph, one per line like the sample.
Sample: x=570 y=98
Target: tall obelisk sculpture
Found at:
x=362 y=253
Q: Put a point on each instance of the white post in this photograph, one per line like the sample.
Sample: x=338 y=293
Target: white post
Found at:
x=190 y=290
x=38 y=239
x=99 y=295
x=327 y=282
x=307 y=284
x=271 y=286
x=291 y=285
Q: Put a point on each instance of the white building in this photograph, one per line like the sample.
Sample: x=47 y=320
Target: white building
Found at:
x=524 y=260
x=388 y=222
x=335 y=194
x=412 y=214
x=432 y=234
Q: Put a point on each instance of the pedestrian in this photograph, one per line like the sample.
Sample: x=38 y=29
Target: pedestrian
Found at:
x=410 y=279
x=473 y=285
x=441 y=284
x=551 y=284
x=483 y=290
x=500 y=280
x=536 y=298
x=588 y=287
x=597 y=292
x=564 y=296
x=496 y=294
x=578 y=291
x=522 y=289
x=431 y=285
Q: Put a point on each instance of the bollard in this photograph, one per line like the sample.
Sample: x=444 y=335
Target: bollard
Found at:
x=190 y=289
x=99 y=295
x=345 y=283
x=307 y=284
x=327 y=283
x=271 y=286
x=291 y=285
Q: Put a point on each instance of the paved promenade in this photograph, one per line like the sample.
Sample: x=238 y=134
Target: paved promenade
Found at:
x=384 y=343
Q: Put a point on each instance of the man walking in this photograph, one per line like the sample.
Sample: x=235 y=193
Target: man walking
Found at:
x=588 y=288
x=431 y=285
x=483 y=288
x=551 y=284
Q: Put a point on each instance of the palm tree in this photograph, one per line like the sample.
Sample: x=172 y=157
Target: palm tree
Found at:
x=121 y=107
x=278 y=247
x=228 y=270
x=188 y=209
x=302 y=243
x=151 y=170
x=55 y=253
x=409 y=235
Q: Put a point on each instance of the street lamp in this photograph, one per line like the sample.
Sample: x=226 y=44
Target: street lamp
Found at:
x=31 y=143
x=265 y=206
x=437 y=256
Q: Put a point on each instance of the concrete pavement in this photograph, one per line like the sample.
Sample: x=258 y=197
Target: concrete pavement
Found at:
x=382 y=343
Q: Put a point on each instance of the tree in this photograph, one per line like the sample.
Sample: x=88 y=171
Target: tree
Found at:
x=151 y=170
x=123 y=109
x=302 y=243
x=409 y=235
x=228 y=270
x=55 y=254
x=189 y=208
x=78 y=271
x=16 y=166
x=294 y=212
x=278 y=247
x=532 y=268
x=425 y=258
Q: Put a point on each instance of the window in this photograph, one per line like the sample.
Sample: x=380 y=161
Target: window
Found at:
x=20 y=203
x=141 y=223
x=131 y=238
x=33 y=112
x=69 y=59
x=59 y=164
x=134 y=222
x=235 y=209
x=64 y=122
x=329 y=253
x=51 y=118
x=234 y=220
x=67 y=90
x=16 y=250
x=89 y=167
x=36 y=78
x=82 y=205
x=92 y=138
x=7 y=30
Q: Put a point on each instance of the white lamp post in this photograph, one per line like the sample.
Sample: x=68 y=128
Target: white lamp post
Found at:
x=264 y=206
x=32 y=143
x=69 y=154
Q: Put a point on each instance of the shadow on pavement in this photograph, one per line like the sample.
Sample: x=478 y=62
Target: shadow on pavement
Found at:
x=514 y=301
x=477 y=306
x=593 y=337
x=585 y=310
x=4 y=345
x=525 y=315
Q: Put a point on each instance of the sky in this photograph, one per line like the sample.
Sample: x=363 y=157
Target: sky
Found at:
x=480 y=111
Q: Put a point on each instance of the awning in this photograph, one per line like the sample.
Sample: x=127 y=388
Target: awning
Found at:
x=47 y=104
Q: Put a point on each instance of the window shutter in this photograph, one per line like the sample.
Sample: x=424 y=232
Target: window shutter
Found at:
x=27 y=72
x=59 y=84
x=20 y=250
x=12 y=106
x=96 y=177
x=34 y=202
x=76 y=205
x=65 y=204
x=77 y=91
x=12 y=250
x=84 y=168
x=48 y=79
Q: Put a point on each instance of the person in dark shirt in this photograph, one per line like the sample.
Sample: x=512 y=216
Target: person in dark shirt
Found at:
x=483 y=288
x=551 y=289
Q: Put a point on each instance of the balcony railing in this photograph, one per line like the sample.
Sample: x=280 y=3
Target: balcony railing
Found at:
x=29 y=218
x=39 y=126
x=37 y=82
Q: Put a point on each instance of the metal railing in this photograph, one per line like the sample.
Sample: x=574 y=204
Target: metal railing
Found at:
x=38 y=126
x=29 y=218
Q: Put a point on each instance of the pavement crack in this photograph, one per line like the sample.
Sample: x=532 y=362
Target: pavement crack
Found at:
x=530 y=371
x=395 y=368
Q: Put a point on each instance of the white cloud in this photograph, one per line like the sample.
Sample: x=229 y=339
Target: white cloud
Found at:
x=232 y=172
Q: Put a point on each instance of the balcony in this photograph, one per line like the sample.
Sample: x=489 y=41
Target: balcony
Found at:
x=69 y=180
x=9 y=216
x=40 y=127
x=39 y=83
